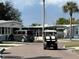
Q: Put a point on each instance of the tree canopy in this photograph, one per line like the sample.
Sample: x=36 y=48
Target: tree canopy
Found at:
x=70 y=7
x=35 y=24
x=8 y=12
x=63 y=21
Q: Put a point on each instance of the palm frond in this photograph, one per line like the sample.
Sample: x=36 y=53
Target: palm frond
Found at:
x=70 y=7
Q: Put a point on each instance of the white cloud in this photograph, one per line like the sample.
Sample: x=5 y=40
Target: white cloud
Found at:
x=26 y=3
x=22 y=3
x=58 y=2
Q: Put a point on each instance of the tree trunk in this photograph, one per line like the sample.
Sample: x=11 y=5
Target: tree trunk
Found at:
x=70 y=25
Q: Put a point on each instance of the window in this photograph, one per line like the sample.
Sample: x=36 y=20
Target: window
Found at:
x=2 y=30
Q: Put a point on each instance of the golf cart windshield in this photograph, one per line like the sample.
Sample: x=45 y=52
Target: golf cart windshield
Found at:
x=50 y=32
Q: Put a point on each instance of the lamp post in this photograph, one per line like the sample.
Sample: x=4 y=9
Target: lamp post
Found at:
x=43 y=18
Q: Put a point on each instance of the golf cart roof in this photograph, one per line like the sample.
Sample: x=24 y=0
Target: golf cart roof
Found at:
x=50 y=31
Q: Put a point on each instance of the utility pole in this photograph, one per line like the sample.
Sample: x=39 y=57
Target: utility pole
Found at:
x=43 y=18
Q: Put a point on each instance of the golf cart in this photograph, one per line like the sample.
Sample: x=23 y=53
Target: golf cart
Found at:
x=50 y=39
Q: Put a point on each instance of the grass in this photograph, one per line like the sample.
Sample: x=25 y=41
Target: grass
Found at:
x=72 y=43
x=6 y=45
x=10 y=42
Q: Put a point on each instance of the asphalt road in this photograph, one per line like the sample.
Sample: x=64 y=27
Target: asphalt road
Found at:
x=36 y=51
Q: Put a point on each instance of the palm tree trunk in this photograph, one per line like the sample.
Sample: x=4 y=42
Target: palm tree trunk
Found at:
x=70 y=25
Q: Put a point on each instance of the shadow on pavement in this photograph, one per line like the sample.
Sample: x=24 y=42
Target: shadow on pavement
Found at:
x=62 y=49
x=44 y=57
x=58 y=49
x=12 y=57
x=40 y=57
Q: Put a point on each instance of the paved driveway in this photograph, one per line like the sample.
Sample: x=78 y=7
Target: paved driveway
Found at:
x=35 y=51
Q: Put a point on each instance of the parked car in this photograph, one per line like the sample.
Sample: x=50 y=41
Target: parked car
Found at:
x=24 y=35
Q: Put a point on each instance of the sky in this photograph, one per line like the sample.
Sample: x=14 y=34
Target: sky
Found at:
x=32 y=10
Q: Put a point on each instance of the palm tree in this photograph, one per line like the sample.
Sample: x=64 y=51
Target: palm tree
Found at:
x=70 y=7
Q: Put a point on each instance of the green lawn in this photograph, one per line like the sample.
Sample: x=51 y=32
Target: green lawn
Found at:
x=72 y=43
x=11 y=42
x=6 y=45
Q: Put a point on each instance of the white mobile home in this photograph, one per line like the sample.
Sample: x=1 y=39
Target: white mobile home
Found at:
x=8 y=27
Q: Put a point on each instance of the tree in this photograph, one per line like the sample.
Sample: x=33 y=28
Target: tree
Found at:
x=77 y=21
x=35 y=24
x=74 y=21
x=62 y=21
x=8 y=12
x=71 y=8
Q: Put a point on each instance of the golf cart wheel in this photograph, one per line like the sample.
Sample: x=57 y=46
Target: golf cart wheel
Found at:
x=45 y=48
